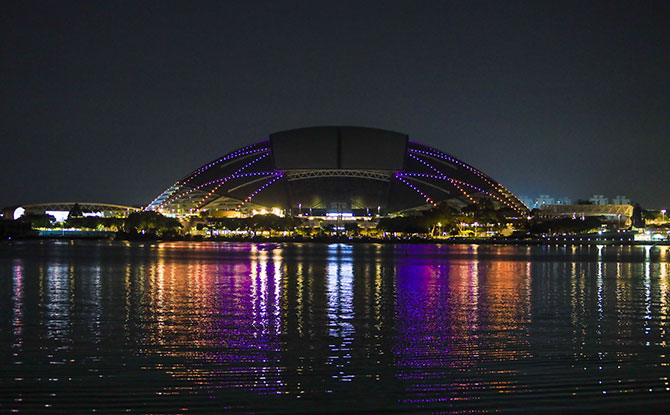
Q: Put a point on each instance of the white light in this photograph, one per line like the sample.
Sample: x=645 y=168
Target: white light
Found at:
x=18 y=212
x=343 y=214
x=59 y=215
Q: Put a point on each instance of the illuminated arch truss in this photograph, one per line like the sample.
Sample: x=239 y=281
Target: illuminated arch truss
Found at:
x=304 y=174
x=233 y=181
x=433 y=172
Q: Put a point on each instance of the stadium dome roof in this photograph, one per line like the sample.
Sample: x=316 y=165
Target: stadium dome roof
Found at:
x=333 y=169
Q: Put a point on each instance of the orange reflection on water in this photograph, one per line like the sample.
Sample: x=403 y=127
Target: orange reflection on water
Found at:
x=195 y=308
x=466 y=315
x=428 y=328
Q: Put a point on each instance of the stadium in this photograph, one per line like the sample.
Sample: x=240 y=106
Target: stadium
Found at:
x=332 y=171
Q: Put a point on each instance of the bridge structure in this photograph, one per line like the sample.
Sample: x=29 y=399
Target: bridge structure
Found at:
x=61 y=209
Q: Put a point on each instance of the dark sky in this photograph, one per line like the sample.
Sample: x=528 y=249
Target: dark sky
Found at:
x=114 y=101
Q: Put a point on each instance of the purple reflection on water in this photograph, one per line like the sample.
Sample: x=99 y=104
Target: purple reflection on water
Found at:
x=297 y=328
x=17 y=309
x=455 y=320
x=248 y=343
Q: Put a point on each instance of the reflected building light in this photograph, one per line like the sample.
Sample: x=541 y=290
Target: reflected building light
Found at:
x=599 y=282
x=159 y=289
x=194 y=296
x=96 y=302
x=277 y=280
x=266 y=374
x=647 y=296
x=340 y=309
x=259 y=291
x=263 y=292
x=474 y=294
x=529 y=279
x=441 y=313
x=378 y=294
x=17 y=311
x=299 y=298
x=58 y=300
x=255 y=297
x=574 y=299
x=664 y=302
x=128 y=298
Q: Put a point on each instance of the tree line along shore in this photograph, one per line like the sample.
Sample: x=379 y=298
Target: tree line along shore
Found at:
x=477 y=223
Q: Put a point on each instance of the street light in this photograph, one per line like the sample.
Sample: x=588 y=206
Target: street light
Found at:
x=663 y=215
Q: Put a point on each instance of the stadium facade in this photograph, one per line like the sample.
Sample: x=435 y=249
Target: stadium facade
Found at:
x=332 y=170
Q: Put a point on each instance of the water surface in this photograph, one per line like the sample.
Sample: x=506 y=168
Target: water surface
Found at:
x=112 y=327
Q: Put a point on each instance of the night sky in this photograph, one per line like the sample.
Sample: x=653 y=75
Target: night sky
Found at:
x=115 y=101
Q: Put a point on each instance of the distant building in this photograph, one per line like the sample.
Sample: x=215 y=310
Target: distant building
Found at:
x=599 y=200
x=620 y=200
x=563 y=201
x=544 y=200
x=528 y=201
x=621 y=215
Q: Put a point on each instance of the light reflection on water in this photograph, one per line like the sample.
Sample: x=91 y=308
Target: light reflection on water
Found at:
x=202 y=327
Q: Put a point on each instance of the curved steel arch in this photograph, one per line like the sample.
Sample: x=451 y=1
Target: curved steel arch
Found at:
x=444 y=176
x=183 y=187
x=84 y=206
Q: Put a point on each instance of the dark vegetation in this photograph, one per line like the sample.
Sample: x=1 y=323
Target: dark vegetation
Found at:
x=476 y=220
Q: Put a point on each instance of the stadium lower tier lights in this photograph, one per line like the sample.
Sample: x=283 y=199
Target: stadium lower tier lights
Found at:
x=334 y=172
x=340 y=215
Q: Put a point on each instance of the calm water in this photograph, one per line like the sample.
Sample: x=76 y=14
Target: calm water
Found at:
x=287 y=328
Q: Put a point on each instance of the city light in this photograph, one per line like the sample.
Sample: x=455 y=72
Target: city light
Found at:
x=18 y=212
x=59 y=215
x=340 y=214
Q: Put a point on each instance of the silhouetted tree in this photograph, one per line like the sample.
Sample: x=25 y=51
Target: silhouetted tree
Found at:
x=38 y=220
x=636 y=217
x=75 y=212
x=151 y=223
x=404 y=224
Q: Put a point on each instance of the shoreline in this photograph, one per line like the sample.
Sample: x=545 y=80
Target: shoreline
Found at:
x=347 y=240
